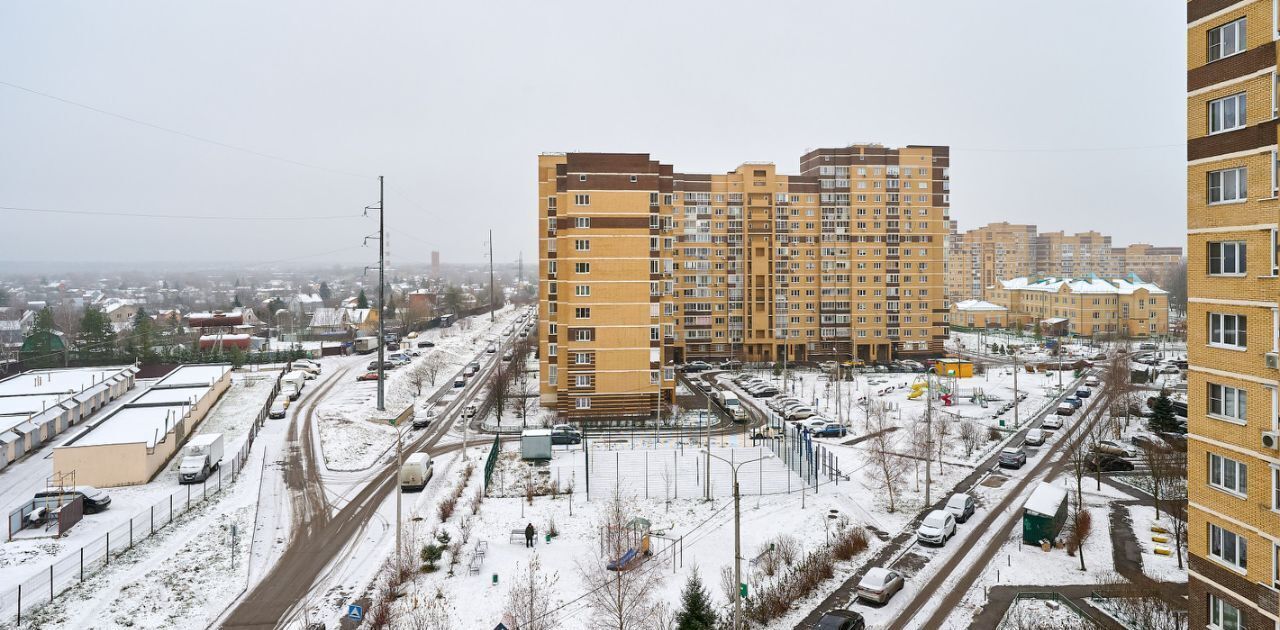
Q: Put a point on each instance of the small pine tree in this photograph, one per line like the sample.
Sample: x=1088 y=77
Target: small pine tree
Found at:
x=696 y=612
x=1162 y=418
x=325 y=293
x=361 y=300
x=235 y=303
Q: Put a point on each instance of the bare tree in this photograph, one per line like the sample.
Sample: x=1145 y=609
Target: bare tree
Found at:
x=1160 y=465
x=921 y=448
x=970 y=437
x=1080 y=528
x=524 y=396
x=887 y=468
x=532 y=600
x=431 y=367
x=941 y=431
x=621 y=599
x=417 y=378
x=499 y=393
x=1178 y=523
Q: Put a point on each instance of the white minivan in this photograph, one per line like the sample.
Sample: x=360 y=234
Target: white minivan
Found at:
x=416 y=471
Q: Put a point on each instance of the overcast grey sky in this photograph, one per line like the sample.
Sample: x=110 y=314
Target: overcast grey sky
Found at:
x=1068 y=115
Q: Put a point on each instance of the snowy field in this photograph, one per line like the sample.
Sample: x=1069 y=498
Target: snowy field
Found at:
x=1043 y=614
x=1158 y=567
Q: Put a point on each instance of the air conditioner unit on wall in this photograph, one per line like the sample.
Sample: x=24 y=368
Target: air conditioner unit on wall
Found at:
x=1273 y=360
x=1270 y=439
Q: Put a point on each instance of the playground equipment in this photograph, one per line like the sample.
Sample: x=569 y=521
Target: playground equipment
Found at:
x=635 y=536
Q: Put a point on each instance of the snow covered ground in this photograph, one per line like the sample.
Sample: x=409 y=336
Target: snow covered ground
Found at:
x=1159 y=567
x=1044 y=614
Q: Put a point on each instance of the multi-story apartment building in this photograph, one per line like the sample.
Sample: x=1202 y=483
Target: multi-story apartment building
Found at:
x=1233 y=283
x=1086 y=307
x=844 y=260
x=980 y=257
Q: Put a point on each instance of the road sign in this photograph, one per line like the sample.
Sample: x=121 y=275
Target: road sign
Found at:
x=355 y=611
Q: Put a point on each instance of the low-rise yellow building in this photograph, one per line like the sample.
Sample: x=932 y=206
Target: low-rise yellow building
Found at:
x=1091 y=307
x=978 y=314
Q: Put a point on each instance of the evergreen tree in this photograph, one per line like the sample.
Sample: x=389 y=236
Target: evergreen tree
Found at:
x=391 y=307
x=361 y=300
x=97 y=336
x=697 y=613
x=142 y=338
x=325 y=293
x=1162 y=418
x=235 y=303
x=39 y=349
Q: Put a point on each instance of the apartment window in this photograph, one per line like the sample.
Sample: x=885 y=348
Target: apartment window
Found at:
x=1228 y=185
x=1228 y=547
x=1227 y=258
x=582 y=380
x=582 y=200
x=552 y=328
x=1228 y=474
x=1227 y=40
x=582 y=245
x=582 y=313
x=1223 y=616
x=582 y=267
x=551 y=349
x=1227 y=113
x=552 y=374
x=582 y=358
x=551 y=203
x=1275 y=498
x=583 y=334
x=1227 y=330
x=582 y=290
x=653 y=377
x=582 y=222
x=582 y=402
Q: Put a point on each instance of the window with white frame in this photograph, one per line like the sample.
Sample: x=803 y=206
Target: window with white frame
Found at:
x=1227 y=258
x=1228 y=547
x=582 y=312
x=582 y=402
x=583 y=334
x=1228 y=185
x=1226 y=329
x=582 y=380
x=1228 y=474
x=1227 y=40
x=1227 y=402
x=582 y=222
x=582 y=290
x=582 y=245
x=551 y=349
x=581 y=200
x=1223 y=616
x=553 y=373
x=1227 y=113
x=582 y=358
x=582 y=267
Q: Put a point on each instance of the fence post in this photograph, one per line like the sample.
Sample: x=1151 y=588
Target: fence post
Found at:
x=82 y=564
x=219 y=478
x=50 y=582
x=131 y=533
x=19 y=604
x=153 y=518
x=108 y=563
x=188 y=496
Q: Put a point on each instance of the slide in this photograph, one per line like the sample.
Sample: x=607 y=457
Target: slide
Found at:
x=916 y=391
x=621 y=563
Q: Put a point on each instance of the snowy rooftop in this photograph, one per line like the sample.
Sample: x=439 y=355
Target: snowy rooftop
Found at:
x=194 y=375
x=1093 y=284
x=1046 y=499
x=130 y=425
x=65 y=381
x=23 y=405
x=978 y=305
x=171 y=396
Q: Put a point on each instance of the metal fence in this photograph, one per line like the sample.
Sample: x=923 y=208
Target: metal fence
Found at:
x=794 y=446
x=75 y=567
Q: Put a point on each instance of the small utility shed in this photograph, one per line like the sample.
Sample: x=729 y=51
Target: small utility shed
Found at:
x=953 y=367
x=1044 y=513
x=535 y=444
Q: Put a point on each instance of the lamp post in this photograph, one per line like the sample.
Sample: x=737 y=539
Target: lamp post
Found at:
x=737 y=535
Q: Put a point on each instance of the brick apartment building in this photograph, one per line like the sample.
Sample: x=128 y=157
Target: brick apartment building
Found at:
x=1233 y=465
x=1086 y=307
x=644 y=268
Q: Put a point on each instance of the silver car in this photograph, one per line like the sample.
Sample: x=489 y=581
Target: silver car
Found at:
x=879 y=585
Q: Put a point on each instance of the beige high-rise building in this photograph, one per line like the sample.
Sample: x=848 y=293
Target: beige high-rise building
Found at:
x=643 y=268
x=979 y=258
x=1233 y=464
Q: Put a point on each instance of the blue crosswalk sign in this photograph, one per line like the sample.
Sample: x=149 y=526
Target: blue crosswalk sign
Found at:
x=355 y=612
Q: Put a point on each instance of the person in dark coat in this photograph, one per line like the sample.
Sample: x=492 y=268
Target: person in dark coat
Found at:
x=528 y=535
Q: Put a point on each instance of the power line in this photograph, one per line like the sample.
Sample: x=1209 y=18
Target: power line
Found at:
x=189 y=136
x=155 y=215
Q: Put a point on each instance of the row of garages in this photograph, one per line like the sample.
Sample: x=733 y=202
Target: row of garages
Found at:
x=38 y=405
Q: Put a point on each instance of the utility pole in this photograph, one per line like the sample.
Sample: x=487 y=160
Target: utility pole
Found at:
x=382 y=313
x=737 y=551
x=1015 y=391
x=493 y=304
x=928 y=440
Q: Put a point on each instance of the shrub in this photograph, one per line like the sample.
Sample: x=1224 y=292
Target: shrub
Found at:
x=431 y=554
x=849 y=543
x=445 y=509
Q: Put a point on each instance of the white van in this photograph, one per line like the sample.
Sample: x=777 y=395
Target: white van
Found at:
x=292 y=383
x=416 y=471
x=734 y=406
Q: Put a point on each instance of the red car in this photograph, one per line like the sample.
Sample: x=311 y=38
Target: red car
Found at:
x=367 y=376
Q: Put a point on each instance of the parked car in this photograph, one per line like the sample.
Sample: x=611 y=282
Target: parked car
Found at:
x=1073 y=401
x=1053 y=422
x=1176 y=441
x=1065 y=409
x=780 y=401
x=423 y=420
x=1146 y=345
x=491 y=349
x=1083 y=392
x=1170 y=369
x=731 y=364
x=95 y=500
x=831 y=430
x=386 y=365
x=426 y=344
x=367 y=376
x=460 y=382
x=277 y=409
x=937 y=527
x=1012 y=458
x=696 y=366
x=1035 y=437
x=814 y=423
x=470 y=411
x=506 y=356
x=1147 y=442
x=961 y=505
x=1112 y=447
x=565 y=434
x=801 y=412
x=1108 y=463
x=841 y=620
x=879 y=584
x=1091 y=381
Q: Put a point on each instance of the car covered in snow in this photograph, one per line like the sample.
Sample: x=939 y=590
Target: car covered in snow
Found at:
x=961 y=505
x=1012 y=458
x=879 y=585
x=1112 y=447
x=277 y=409
x=1035 y=437
x=936 y=528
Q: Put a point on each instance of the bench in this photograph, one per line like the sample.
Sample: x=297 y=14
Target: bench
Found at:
x=473 y=567
x=482 y=547
x=517 y=537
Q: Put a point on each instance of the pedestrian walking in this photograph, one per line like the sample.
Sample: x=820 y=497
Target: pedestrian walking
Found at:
x=528 y=535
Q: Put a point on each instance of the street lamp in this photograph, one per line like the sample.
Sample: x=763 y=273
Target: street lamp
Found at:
x=737 y=534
